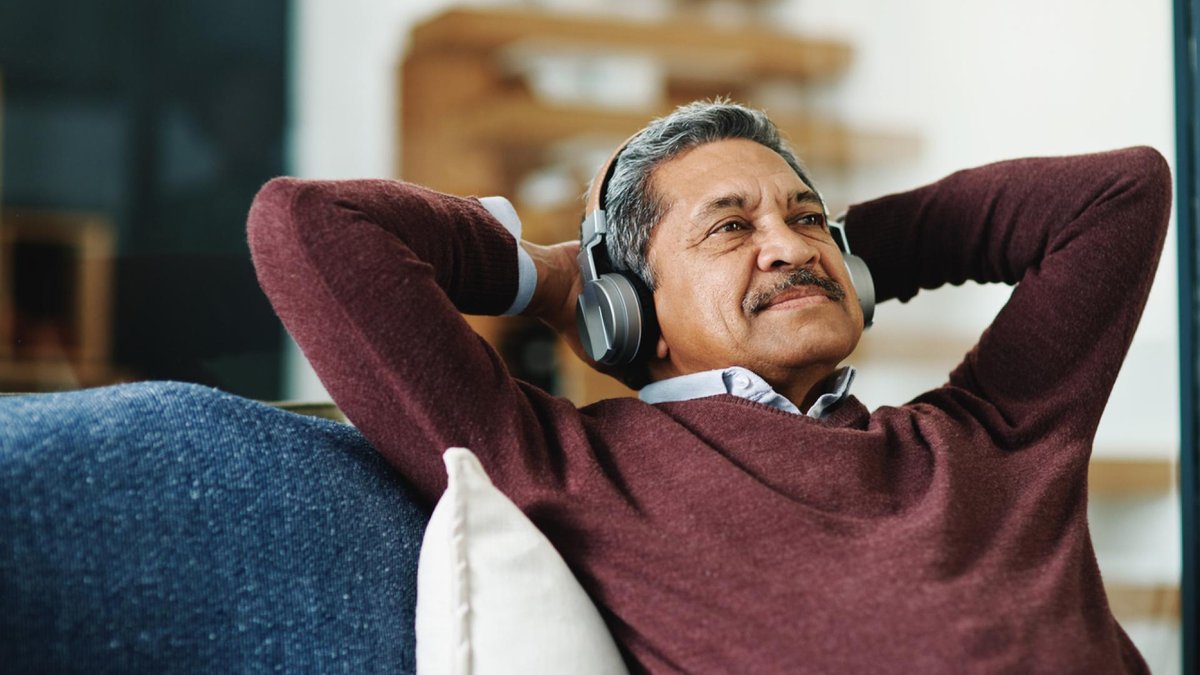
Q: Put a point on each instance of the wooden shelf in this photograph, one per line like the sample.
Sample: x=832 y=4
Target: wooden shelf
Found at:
x=745 y=52
x=1143 y=602
x=1124 y=478
x=521 y=121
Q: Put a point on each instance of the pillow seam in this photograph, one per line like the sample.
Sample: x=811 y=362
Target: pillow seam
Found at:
x=462 y=577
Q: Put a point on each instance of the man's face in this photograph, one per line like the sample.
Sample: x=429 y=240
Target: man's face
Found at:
x=738 y=223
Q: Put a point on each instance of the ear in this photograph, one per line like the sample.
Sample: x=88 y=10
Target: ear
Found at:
x=659 y=365
x=661 y=350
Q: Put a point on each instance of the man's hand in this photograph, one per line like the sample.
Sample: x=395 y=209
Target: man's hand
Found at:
x=558 y=286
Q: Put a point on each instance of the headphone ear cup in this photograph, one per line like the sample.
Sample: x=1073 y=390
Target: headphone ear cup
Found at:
x=647 y=317
x=860 y=274
x=614 y=317
x=864 y=286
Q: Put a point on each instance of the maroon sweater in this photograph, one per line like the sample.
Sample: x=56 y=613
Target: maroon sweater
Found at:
x=948 y=534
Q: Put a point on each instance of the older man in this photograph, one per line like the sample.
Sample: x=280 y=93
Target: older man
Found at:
x=748 y=514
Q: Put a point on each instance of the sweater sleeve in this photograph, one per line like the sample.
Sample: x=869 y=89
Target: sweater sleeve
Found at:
x=1079 y=236
x=370 y=277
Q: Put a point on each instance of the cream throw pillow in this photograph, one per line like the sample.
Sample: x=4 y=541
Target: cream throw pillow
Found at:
x=493 y=596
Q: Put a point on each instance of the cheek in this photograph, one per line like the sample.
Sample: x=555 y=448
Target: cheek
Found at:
x=715 y=291
x=699 y=302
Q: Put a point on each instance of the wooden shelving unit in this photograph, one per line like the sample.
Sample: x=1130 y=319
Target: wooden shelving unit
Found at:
x=470 y=125
x=739 y=52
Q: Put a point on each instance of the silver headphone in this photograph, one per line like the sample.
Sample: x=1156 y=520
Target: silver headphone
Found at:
x=860 y=274
x=615 y=311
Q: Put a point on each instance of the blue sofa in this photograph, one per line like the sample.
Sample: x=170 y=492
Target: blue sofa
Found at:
x=168 y=527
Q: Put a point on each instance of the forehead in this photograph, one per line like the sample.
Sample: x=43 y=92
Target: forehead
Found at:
x=731 y=166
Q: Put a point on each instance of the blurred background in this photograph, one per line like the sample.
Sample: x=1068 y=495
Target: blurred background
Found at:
x=135 y=134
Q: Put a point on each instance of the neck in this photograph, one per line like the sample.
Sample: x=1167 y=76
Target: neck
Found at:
x=801 y=386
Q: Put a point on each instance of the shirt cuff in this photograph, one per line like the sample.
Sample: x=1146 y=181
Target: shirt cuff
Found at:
x=503 y=211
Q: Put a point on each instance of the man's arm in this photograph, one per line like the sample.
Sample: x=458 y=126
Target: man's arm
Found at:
x=370 y=277
x=1081 y=236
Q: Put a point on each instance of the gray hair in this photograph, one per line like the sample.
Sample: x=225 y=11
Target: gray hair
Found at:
x=632 y=208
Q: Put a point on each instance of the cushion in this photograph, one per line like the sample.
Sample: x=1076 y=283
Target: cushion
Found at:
x=493 y=596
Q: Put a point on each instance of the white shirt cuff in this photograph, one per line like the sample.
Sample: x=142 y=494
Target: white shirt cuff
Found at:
x=503 y=211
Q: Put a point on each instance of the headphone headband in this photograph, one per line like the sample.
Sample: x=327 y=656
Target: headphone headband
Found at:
x=599 y=188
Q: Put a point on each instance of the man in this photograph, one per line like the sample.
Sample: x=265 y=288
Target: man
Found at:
x=748 y=514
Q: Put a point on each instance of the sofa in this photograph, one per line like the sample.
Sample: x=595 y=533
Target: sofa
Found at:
x=168 y=527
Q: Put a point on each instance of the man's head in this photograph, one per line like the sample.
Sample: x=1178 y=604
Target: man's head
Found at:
x=631 y=205
x=716 y=215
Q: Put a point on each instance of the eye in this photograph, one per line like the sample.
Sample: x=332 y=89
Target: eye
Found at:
x=810 y=219
x=729 y=226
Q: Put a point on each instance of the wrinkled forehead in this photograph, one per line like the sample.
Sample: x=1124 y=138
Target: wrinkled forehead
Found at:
x=726 y=174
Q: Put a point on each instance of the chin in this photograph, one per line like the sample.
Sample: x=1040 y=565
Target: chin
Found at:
x=817 y=342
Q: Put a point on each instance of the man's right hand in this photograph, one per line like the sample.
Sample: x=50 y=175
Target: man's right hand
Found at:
x=558 y=286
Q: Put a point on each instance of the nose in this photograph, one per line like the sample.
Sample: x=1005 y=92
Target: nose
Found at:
x=780 y=248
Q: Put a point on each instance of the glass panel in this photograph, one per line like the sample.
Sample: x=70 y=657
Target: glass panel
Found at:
x=135 y=134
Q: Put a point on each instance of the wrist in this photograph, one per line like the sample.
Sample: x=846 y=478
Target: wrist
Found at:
x=557 y=281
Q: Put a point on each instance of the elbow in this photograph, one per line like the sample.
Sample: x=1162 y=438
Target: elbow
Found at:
x=279 y=214
x=1149 y=166
x=1151 y=176
x=271 y=209
x=1139 y=186
x=282 y=221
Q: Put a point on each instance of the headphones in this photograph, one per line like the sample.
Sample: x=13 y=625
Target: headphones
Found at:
x=615 y=310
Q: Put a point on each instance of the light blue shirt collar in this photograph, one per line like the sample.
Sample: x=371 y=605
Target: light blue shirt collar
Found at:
x=739 y=381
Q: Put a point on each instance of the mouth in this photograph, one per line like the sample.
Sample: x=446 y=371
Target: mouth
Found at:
x=796 y=297
x=800 y=288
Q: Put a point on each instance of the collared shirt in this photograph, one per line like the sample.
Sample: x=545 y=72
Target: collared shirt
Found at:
x=739 y=381
x=734 y=380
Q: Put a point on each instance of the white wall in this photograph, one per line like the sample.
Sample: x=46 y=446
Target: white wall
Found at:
x=344 y=105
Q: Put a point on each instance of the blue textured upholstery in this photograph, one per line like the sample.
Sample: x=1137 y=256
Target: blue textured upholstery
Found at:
x=166 y=527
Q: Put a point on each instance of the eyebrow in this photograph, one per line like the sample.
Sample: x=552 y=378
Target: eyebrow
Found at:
x=805 y=197
x=738 y=200
x=732 y=200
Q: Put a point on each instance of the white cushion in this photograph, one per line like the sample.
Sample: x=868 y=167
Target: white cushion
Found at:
x=493 y=596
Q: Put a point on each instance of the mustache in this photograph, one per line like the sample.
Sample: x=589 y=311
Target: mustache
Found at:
x=756 y=301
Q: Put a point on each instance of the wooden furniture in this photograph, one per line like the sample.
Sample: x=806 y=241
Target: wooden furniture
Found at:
x=55 y=300
x=472 y=123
